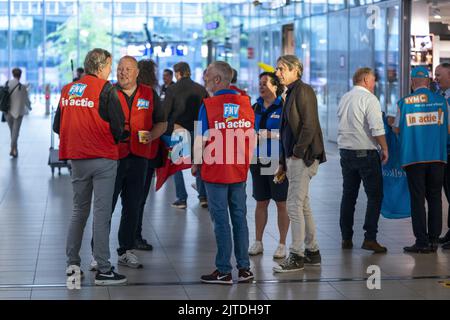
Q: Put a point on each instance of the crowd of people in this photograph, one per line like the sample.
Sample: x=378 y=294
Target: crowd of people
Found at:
x=111 y=134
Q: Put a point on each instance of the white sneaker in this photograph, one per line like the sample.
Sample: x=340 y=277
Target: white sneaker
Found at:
x=280 y=253
x=93 y=266
x=129 y=259
x=256 y=248
x=73 y=269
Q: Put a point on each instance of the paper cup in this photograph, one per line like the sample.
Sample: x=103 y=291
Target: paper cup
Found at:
x=142 y=134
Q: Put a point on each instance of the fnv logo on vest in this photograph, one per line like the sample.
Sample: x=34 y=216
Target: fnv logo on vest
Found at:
x=424 y=118
x=77 y=90
x=420 y=98
x=143 y=104
x=230 y=111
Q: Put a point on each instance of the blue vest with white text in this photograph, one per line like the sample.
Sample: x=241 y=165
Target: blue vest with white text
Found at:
x=423 y=128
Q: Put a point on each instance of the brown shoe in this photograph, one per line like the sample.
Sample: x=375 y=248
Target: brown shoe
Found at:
x=373 y=246
x=347 y=244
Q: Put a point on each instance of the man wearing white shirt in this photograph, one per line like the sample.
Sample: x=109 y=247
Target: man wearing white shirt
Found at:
x=442 y=75
x=360 y=132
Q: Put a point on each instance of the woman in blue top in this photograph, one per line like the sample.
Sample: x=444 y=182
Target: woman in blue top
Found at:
x=267 y=124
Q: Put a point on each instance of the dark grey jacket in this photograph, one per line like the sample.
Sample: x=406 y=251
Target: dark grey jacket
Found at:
x=304 y=122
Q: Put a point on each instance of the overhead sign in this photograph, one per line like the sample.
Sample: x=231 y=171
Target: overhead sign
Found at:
x=212 y=25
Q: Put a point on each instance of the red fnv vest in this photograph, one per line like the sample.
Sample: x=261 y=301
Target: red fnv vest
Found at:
x=139 y=117
x=83 y=133
x=227 y=115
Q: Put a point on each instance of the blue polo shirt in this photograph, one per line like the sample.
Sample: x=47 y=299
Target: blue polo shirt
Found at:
x=269 y=119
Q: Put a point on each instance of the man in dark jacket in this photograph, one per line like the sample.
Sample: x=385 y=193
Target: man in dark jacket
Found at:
x=182 y=103
x=302 y=151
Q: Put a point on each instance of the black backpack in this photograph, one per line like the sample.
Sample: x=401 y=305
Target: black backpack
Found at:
x=5 y=101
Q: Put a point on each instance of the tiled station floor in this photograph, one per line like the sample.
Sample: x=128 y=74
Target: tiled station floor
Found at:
x=35 y=209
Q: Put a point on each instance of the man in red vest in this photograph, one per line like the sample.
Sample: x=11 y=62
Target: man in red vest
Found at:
x=226 y=131
x=146 y=121
x=90 y=122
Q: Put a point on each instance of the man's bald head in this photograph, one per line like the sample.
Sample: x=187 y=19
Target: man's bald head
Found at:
x=127 y=72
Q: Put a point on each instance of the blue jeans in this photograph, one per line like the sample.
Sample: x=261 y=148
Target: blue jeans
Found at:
x=220 y=198
x=180 y=188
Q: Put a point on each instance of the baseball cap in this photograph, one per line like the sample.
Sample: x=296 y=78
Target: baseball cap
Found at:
x=420 y=72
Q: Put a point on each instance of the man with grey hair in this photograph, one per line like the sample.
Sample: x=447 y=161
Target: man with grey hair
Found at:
x=302 y=151
x=90 y=123
x=360 y=132
x=222 y=116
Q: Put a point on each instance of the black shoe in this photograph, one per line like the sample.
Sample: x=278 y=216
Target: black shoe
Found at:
x=434 y=244
x=245 y=275
x=203 y=202
x=446 y=246
x=180 y=204
x=347 y=244
x=217 y=277
x=445 y=238
x=109 y=278
x=141 y=244
x=292 y=263
x=312 y=258
x=416 y=249
x=373 y=246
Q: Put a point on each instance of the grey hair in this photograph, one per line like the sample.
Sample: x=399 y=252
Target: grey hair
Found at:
x=292 y=62
x=224 y=70
x=96 y=60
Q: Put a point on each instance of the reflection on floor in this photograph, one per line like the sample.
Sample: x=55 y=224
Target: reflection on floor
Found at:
x=34 y=211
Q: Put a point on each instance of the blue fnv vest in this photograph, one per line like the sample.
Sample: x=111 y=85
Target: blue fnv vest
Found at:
x=423 y=128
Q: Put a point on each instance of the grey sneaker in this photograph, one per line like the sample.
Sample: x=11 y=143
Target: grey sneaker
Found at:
x=312 y=258
x=291 y=264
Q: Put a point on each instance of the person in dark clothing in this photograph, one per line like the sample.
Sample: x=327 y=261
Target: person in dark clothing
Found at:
x=167 y=79
x=80 y=74
x=147 y=76
x=183 y=101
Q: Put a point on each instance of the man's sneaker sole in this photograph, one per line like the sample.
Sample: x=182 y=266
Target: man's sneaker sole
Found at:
x=110 y=282
x=317 y=264
x=179 y=206
x=281 y=270
x=136 y=266
x=246 y=279
x=218 y=281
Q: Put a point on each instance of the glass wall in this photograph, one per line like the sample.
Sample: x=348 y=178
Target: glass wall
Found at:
x=333 y=38
x=45 y=38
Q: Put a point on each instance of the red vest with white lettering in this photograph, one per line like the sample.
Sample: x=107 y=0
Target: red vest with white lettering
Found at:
x=139 y=117
x=83 y=133
x=229 y=116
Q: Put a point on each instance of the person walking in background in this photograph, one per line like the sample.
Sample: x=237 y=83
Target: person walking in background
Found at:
x=183 y=101
x=442 y=75
x=267 y=124
x=422 y=124
x=225 y=181
x=302 y=152
x=90 y=123
x=360 y=132
x=167 y=82
x=19 y=105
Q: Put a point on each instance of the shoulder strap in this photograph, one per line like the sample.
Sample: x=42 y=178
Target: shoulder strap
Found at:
x=14 y=88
